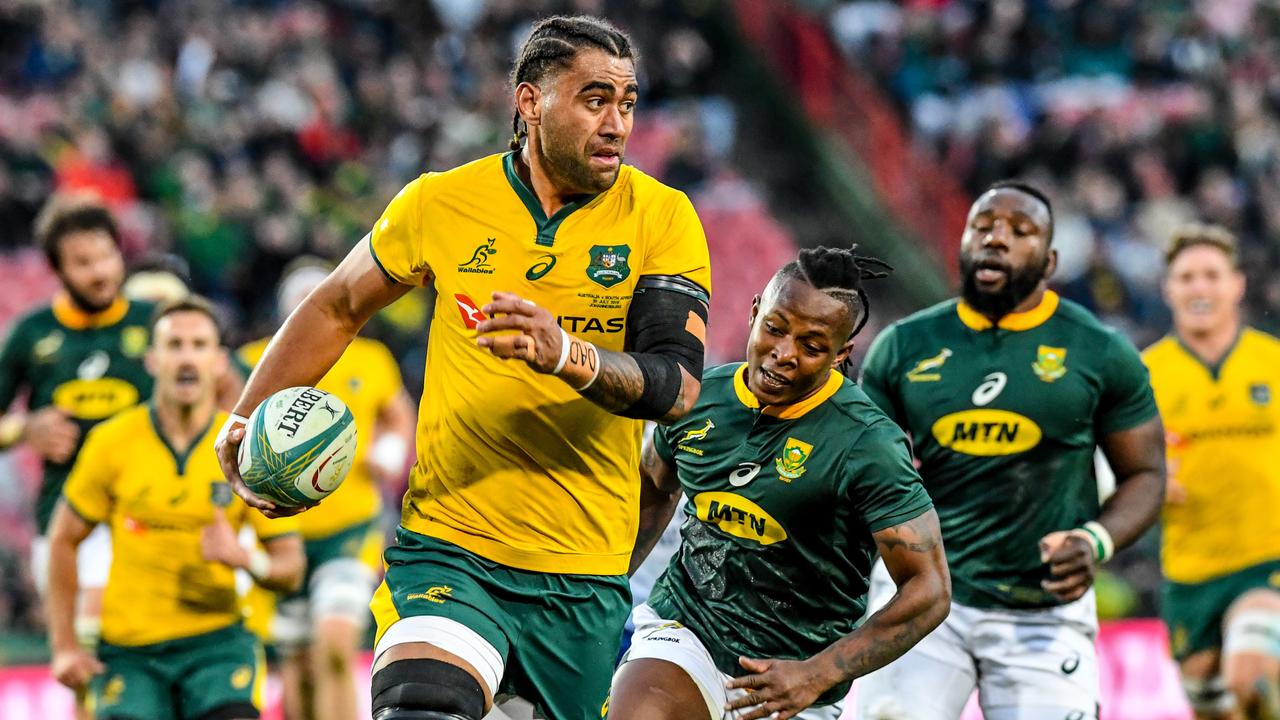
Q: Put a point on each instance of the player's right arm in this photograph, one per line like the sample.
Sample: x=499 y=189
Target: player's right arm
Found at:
x=86 y=501
x=878 y=376
x=307 y=346
x=72 y=665
x=47 y=430
x=659 y=496
x=912 y=552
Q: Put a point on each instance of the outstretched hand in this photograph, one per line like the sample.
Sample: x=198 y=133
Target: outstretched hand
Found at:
x=777 y=689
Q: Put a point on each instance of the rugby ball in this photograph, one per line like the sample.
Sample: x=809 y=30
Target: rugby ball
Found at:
x=298 y=446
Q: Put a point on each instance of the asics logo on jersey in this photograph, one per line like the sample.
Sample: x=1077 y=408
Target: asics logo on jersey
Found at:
x=479 y=262
x=991 y=387
x=540 y=268
x=471 y=315
x=986 y=433
x=739 y=517
x=436 y=594
x=94 y=366
x=745 y=473
x=926 y=370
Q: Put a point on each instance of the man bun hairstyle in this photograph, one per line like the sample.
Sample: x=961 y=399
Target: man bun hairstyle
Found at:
x=1194 y=234
x=65 y=215
x=553 y=43
x=839 y=272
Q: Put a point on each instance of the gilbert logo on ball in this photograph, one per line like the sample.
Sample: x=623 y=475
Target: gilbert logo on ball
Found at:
x=298 y=446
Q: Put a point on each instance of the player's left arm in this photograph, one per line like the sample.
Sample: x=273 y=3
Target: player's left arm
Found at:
x=393 y=434
x=1132 y=439
x=657 y=378
x=659 y=496
x=912 y=552
x=279 y=566
x=659 y=374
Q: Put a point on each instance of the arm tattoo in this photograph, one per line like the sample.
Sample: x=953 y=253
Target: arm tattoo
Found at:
x=915 y=535
x=619 y=384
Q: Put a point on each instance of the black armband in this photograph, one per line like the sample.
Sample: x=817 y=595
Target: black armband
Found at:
x=666 y=331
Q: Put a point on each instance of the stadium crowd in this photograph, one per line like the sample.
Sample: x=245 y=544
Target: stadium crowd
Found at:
x=1135 y=116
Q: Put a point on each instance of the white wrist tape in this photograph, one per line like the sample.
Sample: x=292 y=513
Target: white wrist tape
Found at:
x=388 y=452
x=1098 y=536
x=259 y=564
x=232 y=421
x=594 y=375
x=565 y=342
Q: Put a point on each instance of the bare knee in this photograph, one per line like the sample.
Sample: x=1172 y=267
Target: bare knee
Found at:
x=652 y=689
x=334 y=645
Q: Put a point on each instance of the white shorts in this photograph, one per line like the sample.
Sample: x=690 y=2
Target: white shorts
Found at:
x=661 y=639
x=340 y=588
x=93 y=560
x=1025 y=664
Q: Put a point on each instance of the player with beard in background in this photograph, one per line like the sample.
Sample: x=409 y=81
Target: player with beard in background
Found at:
x=1005 y=393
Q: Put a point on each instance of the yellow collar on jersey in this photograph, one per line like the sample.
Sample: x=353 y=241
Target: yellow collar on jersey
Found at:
x=1035 y=317
x=786 y=412
x=66 y=312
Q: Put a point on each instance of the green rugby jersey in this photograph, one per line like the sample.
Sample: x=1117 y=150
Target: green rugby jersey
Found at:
x=90 y=366
x=1004 y=421
x=776 y=546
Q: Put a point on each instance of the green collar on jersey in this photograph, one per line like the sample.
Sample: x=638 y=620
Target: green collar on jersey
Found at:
x=1026 y=320
x=786 y=412
x=1214 y=369
x=179 y=458
x=547 y=226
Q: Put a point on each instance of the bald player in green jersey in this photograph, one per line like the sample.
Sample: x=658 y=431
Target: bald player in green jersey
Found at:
x=795 y=480
x=1005 y=394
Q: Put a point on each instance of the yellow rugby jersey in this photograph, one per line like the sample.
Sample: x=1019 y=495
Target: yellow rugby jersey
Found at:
x=1223 y=427
x=366 y=378
x=157 y=501
x=514 y=465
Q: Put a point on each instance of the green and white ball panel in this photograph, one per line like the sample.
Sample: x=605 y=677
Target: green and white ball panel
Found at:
x=298 y=446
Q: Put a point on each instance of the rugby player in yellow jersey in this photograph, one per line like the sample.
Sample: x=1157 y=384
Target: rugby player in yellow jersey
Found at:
x=319 y=628
x=1215 y=382
x=571 y=306
x=172 y=646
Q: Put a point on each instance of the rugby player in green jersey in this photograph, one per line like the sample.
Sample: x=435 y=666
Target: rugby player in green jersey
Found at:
x=1005 y=393
x=795 y=479
x=77 y=361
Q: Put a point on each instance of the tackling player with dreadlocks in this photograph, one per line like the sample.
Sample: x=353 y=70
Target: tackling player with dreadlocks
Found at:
x=794 y=479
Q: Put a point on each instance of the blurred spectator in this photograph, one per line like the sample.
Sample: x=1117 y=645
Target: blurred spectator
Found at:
x=1136 y=116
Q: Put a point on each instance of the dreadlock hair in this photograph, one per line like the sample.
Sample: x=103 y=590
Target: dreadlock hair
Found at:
x=553 y=44
x=1026 y=188
x=839 y=273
